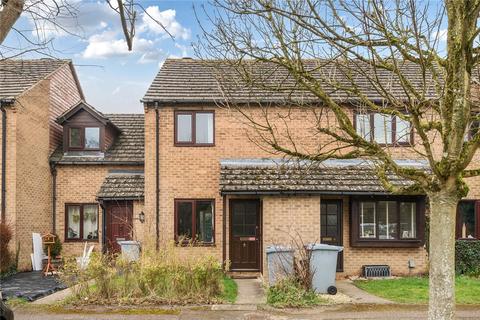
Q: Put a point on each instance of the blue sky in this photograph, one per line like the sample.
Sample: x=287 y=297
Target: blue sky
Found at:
x=113 y=79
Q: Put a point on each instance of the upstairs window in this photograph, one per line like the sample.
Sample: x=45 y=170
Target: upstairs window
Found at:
x=383 y=129
x=87 y=138
x=194 y=128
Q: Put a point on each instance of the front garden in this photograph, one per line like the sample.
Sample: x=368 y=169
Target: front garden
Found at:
x=156 y=278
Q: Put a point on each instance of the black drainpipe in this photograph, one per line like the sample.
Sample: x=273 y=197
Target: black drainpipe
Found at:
x=157 y=177
x=104 y=223
x=53 y=170
x=4 y=162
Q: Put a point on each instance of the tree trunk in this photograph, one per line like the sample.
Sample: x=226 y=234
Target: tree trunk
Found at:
x=443 y=208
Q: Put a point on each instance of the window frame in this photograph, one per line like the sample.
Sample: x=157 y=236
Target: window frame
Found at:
x=355 y=236
x=394 y=130
x=194 y=224
x=82 y=138
x=458 y=226
x=80 y=238
x=193 y=128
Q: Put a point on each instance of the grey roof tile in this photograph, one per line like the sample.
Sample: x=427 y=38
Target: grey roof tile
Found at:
x=122 y=186
x=16 y=76
x=190 y=80
x=278 y=176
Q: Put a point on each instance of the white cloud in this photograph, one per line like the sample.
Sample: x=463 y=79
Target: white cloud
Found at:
x=154 y=19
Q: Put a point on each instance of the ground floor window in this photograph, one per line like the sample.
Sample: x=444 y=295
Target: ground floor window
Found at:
x=194 y=220
x=468 y=219
x=386 y=219
x=81 y=222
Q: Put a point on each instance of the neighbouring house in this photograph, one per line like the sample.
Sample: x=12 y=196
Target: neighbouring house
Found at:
x=33 y=93
x=98 y=179
x=208 y=179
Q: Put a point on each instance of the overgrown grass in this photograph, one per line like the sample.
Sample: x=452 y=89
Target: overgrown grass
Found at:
x=158 y=277
x=16 y=302
x=289 y=293
x=230 y=290
x=415 y=289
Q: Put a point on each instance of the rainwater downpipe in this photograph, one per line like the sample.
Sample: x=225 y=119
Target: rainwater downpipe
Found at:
x=4 y=163
x=157 y=177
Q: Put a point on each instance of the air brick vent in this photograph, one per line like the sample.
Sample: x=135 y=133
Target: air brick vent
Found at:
x=376 y=271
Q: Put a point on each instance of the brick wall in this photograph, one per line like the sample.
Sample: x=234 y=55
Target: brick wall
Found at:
x=192 y=172
x=79 y=184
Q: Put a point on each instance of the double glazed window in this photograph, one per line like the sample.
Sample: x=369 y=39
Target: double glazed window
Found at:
x=387 y=220
x=81 y=222
x=194 y=128
x=468 y=219
x=87 y=138
x=194 y=220
x=383 y=129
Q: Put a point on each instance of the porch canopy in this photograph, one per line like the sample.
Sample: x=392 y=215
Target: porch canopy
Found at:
x=280 y=176
x=122 y=185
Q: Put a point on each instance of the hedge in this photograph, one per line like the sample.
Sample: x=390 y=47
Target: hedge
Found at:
x=467 y=257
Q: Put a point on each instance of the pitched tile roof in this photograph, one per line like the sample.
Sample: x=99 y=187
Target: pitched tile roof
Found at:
x=16 y=76
x=272 y=176
x=190 y=80
x=128 y=147
x=122 y=185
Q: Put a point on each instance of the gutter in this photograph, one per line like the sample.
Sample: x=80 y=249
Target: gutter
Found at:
x=4 y=163
x=293 y=192
x=157 y=177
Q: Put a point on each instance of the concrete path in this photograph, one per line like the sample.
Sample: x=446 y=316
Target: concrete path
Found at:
x=358 y=295
x=250 y=292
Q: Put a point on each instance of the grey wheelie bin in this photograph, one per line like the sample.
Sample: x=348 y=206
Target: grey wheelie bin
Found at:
x=279 y=262
x=323 y=265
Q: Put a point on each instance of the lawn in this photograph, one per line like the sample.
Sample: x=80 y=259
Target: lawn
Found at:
x=230 y=290
x=415 y=289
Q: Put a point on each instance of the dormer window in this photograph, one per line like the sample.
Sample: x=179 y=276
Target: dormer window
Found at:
x=87 y=138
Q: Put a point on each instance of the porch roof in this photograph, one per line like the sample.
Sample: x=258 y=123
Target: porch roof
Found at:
x=122 y=186
x=279 y=176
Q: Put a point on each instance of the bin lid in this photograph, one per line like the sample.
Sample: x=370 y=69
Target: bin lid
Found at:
x=128 y=243
x=274 y=248
x=323 y=247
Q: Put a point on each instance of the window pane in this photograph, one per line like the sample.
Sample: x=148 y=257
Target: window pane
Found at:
x=90 y=222
x=184 y=127
x=363 y=126
x=402 y=130
x=75 y=140
x=367 y=220
x=466 y=218
x=387 y=220
x=184 y=220
x=408 y=224
x=92 y=138
x=382 y=128
x=204 y=128
x=204 y=221
x=73 y=222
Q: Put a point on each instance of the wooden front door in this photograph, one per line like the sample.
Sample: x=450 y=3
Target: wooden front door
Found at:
x=245 y=235
x=331 y=226
x=119 y=224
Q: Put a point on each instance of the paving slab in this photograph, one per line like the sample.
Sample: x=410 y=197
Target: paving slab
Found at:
x=250 y=292
x=358 y=295
x=30 y=285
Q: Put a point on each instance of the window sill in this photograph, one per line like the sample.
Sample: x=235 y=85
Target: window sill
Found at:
x=80 y=240
x=194 y=145
x=413 y=243
x=185 y=245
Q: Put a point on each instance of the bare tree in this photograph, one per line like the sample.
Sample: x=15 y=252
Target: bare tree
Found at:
x=43 y=12
x=383 y=56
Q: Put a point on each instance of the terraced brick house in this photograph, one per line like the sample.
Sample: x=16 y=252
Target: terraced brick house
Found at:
x=209 y=180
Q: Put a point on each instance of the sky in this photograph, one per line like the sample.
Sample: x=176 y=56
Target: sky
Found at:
x=114 y=79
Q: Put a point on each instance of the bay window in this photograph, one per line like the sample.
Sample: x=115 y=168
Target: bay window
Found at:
x=194 y=128
x=383 y=129
x=382 y=221
x=194 y=221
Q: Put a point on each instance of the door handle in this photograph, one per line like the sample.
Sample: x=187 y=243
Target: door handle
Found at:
x=244 y=244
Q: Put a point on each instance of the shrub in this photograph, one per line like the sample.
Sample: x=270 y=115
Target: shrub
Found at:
x=56 y=248
x=290 y=293
x=158 y=277
x=467 y=257
x=7 y=262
